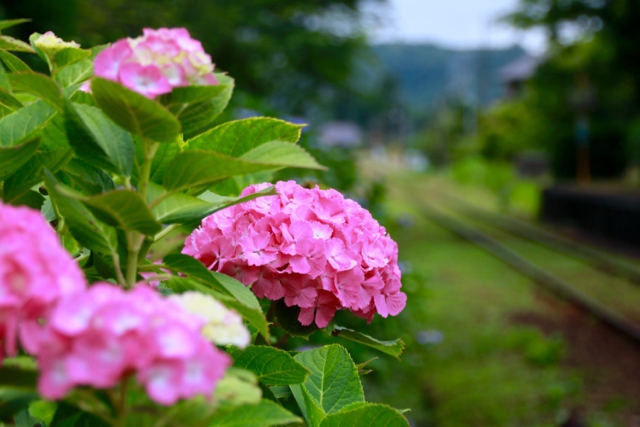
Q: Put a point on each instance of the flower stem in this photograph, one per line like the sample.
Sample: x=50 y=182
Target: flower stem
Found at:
x=165 y=231
x=122 y=402
x=134 y=242
x=149 y=149
x=118 y=267
x=271 y=314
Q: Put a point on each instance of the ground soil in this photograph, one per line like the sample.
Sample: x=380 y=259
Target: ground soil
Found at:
x=610 y=360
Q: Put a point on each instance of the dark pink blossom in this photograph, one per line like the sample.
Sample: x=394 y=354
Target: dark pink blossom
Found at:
x=318 y=250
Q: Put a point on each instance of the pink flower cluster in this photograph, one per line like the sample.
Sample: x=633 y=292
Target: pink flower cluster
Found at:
x=97 y=337
x=156 y=62
x=314 y=248
x=35 y=271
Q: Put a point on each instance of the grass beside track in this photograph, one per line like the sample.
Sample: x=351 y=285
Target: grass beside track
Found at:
x=491 y=369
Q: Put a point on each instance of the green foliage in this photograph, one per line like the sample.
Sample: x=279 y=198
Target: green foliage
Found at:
x=24 y=122
x=392 y=348
x=334 y=382
x=83 y=225
x=219 y=282
x=97 y=140
x=135 y=113
x=237 y=138
x=182 y=208
x=197 y=113
x=369 y=414
x=264 y=414
x=117 y=174
x=13 y=157
x=273 y=367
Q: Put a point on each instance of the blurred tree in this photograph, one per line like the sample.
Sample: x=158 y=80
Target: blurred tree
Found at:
x=296 y=54
x=613 y=23
x=592 y=41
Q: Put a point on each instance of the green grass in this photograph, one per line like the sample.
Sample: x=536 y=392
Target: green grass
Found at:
x=488 y=370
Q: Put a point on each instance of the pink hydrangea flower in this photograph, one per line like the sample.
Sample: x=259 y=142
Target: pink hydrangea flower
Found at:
x=156 y=62
x=35 y=271
x=314 y=248
x=97 y=337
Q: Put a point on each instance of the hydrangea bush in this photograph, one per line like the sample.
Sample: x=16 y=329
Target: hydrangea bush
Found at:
x=148 y=277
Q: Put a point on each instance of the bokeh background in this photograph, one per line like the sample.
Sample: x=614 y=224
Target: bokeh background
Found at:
x=488 y=136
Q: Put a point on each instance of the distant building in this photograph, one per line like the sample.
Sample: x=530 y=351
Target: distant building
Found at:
x=340 y=134
x=514 y=74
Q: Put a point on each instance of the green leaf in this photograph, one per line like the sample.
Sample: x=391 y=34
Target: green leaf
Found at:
x=239 y=137
x=164 y=154
x=8 y=23
x=44 y=410
x=4 y=80
x=310 y=409
x=13 y=158
x=23 y=122
x=13 y=401
x=393 y=348
x=369 y=414
x=83 y=225
x=74 y=74
x=334 y=381
x=29 y=198
x=18 y=376
x=12 y=62
x=86 y=178
x=198 y=117
x=281 y=391
x=9 y=100
x=179 y=96
x=181 y=208
x=251 y=315
x=135 y=113
x=82 y=139
x=54 y=134
x=238 y=387
x=272 y=366
x=24 y=419
x=265 y=414
x=220 y=282
x=33 y=172
x=71 y=416
x=288 y=320
x=239 y=291
x=80 y=97
x=9 y=43
x=122 y=208
x=70 y=55
x=282 y=154
x=39 y=85
x=196 y=168
x=106 y=138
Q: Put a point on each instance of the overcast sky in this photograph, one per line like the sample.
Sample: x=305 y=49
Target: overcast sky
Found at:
x=454 y=23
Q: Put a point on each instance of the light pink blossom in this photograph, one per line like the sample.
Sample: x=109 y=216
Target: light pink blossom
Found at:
x=35 y=272
x=97 y=337
x=156 y=62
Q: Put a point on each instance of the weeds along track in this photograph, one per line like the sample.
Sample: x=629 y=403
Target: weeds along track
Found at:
x=606 y=287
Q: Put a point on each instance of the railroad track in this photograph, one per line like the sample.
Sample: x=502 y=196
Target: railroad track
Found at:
x=538 y=274
x=545 y=238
